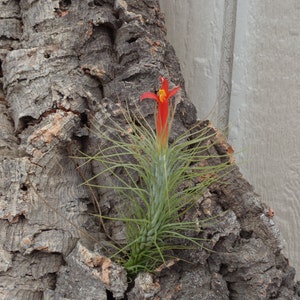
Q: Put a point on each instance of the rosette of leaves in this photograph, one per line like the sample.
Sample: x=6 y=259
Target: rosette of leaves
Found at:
x=157 y=202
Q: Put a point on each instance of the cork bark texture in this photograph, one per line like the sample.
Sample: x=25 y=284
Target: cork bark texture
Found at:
x=67 y=66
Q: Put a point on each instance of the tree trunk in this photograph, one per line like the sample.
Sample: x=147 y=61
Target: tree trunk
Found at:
x=67 y=65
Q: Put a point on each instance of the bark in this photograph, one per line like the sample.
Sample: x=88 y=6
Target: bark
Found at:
x=68 y=65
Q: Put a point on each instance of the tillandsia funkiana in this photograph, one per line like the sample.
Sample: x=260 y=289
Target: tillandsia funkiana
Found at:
x=157 y=202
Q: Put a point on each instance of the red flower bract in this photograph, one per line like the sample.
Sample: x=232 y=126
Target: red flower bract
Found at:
x=162 y=116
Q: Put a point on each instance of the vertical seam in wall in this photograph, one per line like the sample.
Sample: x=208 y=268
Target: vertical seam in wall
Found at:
x=226 y=63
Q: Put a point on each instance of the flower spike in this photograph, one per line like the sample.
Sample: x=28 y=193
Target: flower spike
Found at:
x=162 y=115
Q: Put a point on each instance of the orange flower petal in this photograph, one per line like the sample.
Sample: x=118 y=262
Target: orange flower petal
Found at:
x=149 y=95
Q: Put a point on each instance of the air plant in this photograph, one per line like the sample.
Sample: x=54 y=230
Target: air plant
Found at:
x=156 y=203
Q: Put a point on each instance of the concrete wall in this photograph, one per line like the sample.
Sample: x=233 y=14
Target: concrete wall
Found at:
x=257 y=92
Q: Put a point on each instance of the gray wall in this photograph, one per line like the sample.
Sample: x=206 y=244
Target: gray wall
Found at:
x=241 y=62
